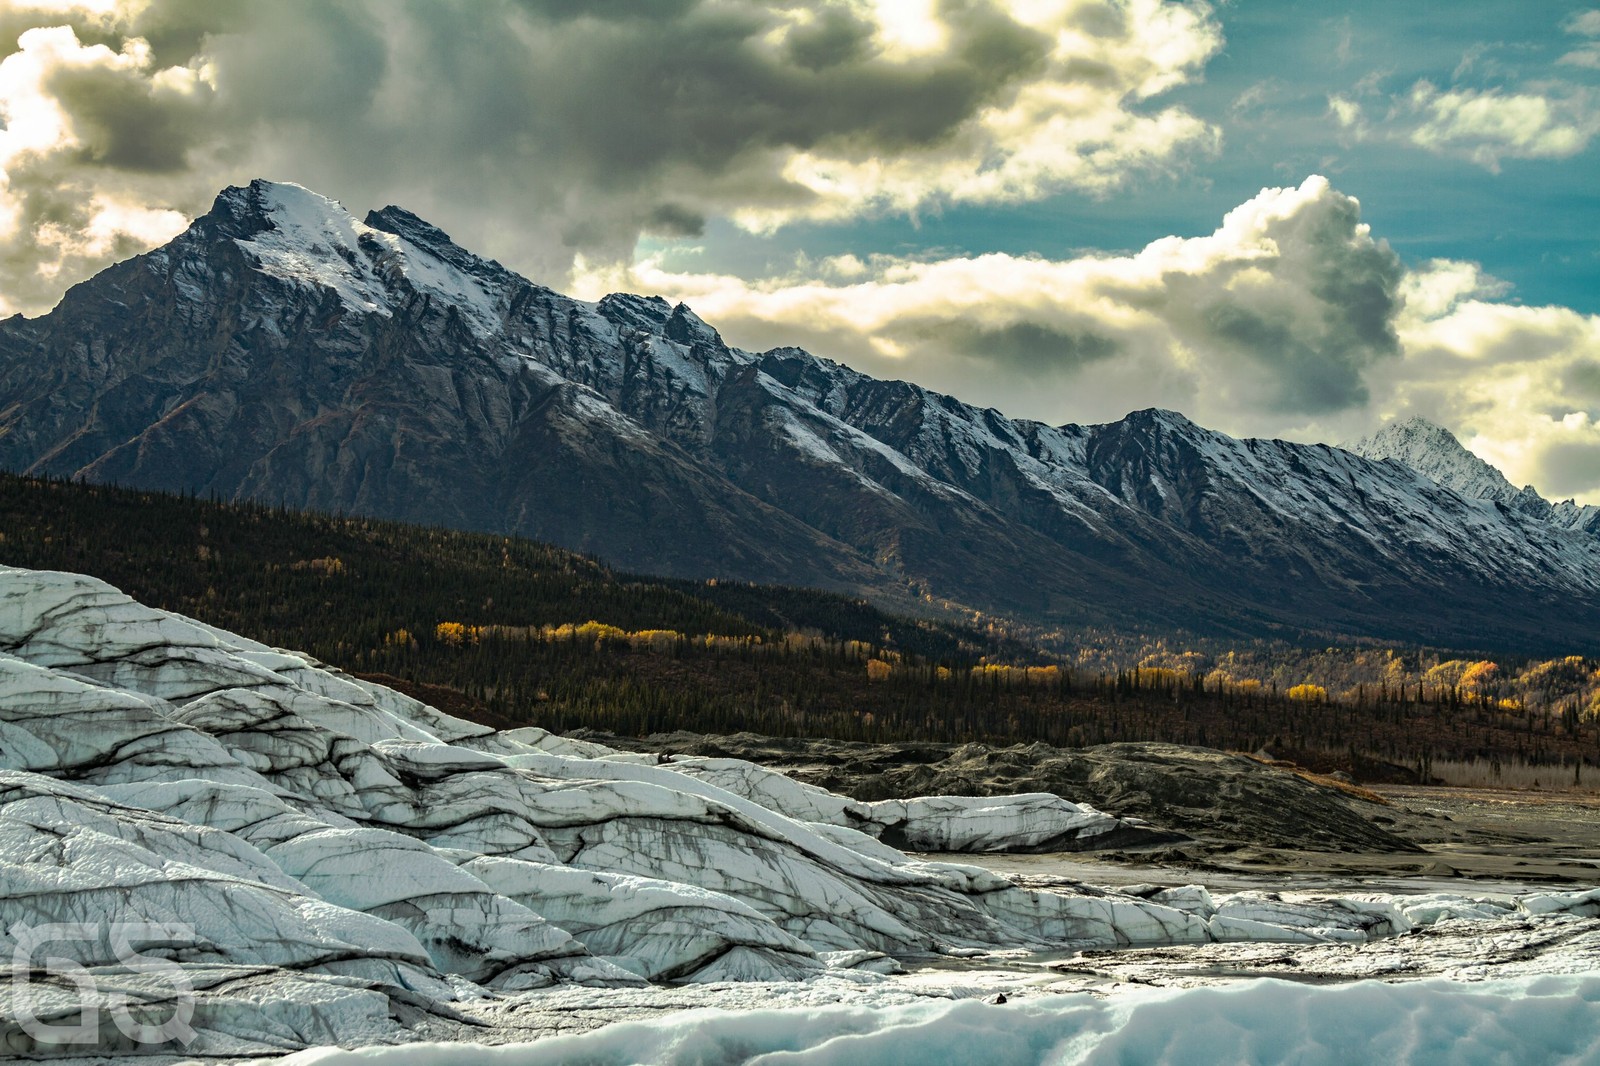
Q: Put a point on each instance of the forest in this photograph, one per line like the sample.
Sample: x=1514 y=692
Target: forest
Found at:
x=512 y=632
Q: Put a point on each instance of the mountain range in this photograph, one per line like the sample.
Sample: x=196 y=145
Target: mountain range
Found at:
x=282 y=350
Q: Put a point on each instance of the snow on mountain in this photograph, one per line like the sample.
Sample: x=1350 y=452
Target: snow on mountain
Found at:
x=1434 y=452
x=312 y=241
x=281 y=350
x=320 y=860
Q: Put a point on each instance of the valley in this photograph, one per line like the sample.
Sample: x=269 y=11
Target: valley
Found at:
x=333 y=862
x=441 y=658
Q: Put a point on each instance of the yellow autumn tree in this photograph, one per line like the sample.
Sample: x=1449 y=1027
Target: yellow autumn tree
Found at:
x=1481 y=678
x=455 y=633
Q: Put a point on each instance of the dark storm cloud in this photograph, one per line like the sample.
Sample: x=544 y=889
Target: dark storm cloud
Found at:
x=1570 y=468
x=584 y=124
x=1582 y=381
x=1300 y=377
x=1028 y=349
x=1299 y=339
x=124 y=122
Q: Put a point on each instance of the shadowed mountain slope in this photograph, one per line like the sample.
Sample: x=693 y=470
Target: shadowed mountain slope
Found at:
x=280 y=350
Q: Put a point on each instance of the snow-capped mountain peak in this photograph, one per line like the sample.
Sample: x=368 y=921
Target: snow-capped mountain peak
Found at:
x=307 y=239
x=1435 y=453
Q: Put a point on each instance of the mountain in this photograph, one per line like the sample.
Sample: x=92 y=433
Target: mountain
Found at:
x=1435 y=452
x=281 y=350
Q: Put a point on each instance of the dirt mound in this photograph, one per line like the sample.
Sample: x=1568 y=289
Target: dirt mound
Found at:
x=1211 y=796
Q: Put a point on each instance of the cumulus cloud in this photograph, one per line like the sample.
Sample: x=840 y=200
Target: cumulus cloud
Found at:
x=1519 y=385
x=90 y=132
x=1291 y=319
x=1488 y=125
x=587 y=124
x=1279 y=313
x=1584 y=24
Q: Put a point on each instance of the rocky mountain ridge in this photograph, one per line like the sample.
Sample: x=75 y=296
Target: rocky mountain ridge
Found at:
x=281 y=350
x=1435 y=452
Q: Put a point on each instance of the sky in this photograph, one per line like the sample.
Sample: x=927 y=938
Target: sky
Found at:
x=1281 y=218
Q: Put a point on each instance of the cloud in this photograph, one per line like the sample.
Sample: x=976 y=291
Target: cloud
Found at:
x=1345 y=111
x=1519 y=385
x=1583 y=24
x=1279 y=313
x=588 y=125
x=1488 y=125
x=1501 y=103
x=91 y=135
x=1290 y=319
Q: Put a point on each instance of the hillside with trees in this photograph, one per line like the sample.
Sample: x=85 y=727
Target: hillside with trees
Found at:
x=518 y=633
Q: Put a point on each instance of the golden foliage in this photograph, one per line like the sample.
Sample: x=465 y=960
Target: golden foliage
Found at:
x=456 y=633
x=1479 y=677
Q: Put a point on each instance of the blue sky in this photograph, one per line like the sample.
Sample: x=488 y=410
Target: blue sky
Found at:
x=1530 y=222
x=1281 y=218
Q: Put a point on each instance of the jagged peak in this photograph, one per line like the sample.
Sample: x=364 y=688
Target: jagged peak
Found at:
x=274 y=199
x=686 y=327
x=1166 y=416
x=300 y=236
x=632 y=311
x=1414 y=435
x=429 y=238
x=1435 y=452
x=1160 y=418
x=242 y=211
x=1417 y=427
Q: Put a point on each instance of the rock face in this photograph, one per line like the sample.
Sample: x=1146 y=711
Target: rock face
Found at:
x=281 y=350
x=1434 y=452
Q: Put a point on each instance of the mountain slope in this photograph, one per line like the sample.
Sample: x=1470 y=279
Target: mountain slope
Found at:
x=280 y=350
x=1435 y=452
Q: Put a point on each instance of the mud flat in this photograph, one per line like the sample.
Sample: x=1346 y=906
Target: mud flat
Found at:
x=1482 y=839
x=1237 y=821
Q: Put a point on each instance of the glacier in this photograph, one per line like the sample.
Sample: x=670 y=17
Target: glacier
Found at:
x=307 y=859
x=1548 y=1020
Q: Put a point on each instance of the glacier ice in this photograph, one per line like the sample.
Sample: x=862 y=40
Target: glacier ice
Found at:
x=333 y=862
x=1264 y=1022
